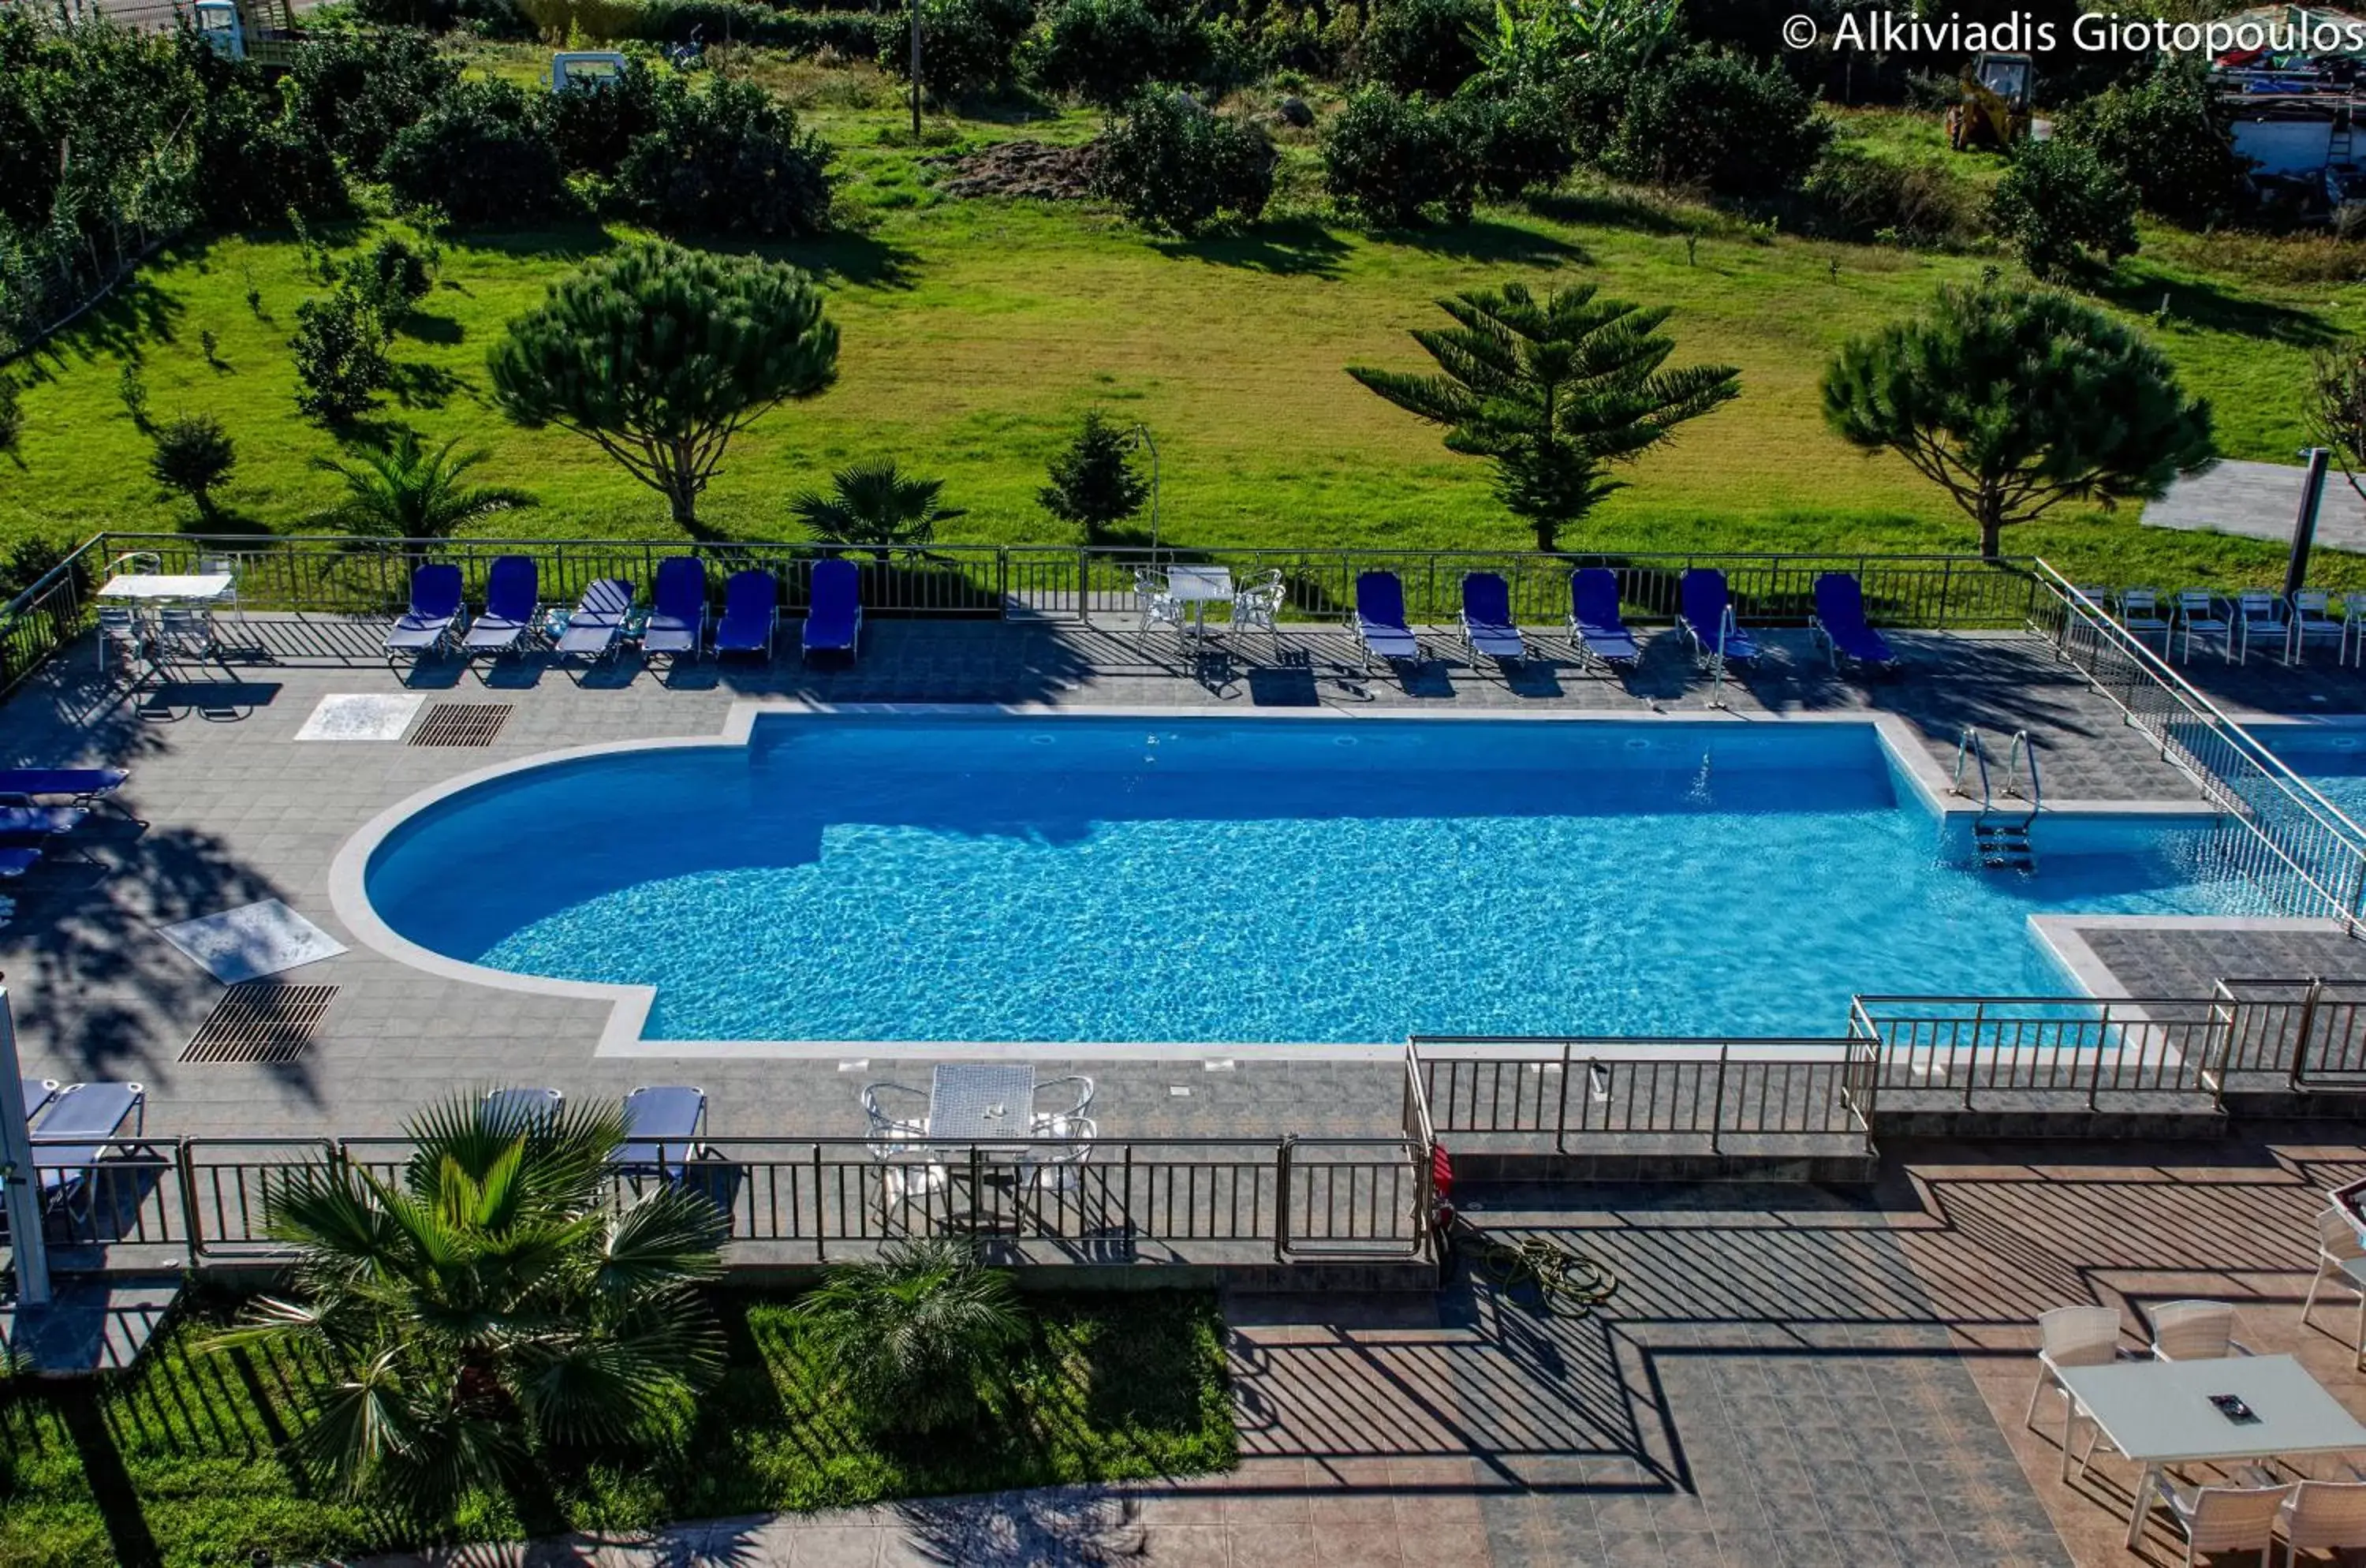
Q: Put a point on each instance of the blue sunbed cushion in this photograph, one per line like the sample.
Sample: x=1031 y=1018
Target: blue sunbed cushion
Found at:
x=75 y=784
x=1381 y=617
x=661 y=1124
x=16 y=861
x=90 y=1112
x=599 y=619
x=37 y=1093
x=44 y=819
x=751 y=606
x=1487 y=617
x=1840 y=611
x=1593 y=611
x=516 y=1106
x=834 y=620
x=677 y=615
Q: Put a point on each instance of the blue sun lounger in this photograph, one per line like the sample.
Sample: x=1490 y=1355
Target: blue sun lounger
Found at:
x=597 y=623
x=512 y=608
x=1597 y=633
x=40 y=821
x=79 y=787
x=435 y=610
x=519 y=1108
x=1840 y=628
x=74 y=1133
x=1380 y=620
x=751 y=613
x=1488 y=629
x=834 y=622
x=16 y=861
x=662 y=1128
x=1706 y=620
x=677 y=623
x=38 y=1092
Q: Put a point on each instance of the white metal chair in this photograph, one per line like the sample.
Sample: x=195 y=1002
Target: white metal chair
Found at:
x=1059 y=1166
x=2313 y=621
x=2195 y=1331
x=185 y=633
x=122 y=630
x=2071 y=1337
x=1257 y=607
x=230 y=567
x=2140 y=614
x=2200 y=615
x=1080 y=1100
x=1155 y=604
x=2323 y=1516
x=2338 y=1242
x=2224 y=1518
x=2262 y=617
x=897 y=1115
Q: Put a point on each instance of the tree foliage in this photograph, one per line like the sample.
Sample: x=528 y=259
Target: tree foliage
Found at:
x=726 y=158
x=488 y=1297
x=660 y=355
x=1094 y=482
x=1718 y=122
x=2062 y=210
x=1170 y=165
x=2163 y=135
x=406 y=490
x=2014 y=403
x=1397 y=162
x=966 y=46
x=341 y=363
x=876 y=505
x=1555 y=391
x=1103 y=49
x=478 y=155
x=360 y=89
x=192 y=454
x=1421 y=46
x=2337 y=409
x=910 y=1339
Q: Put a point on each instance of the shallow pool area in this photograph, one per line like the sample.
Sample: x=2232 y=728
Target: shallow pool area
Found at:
x=997 y=877
x=2331 y=757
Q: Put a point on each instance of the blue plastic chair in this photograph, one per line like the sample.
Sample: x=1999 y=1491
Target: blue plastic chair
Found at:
x=751 y=613
x=434 y=611
x=1707 y=619
x=677 y=623
x=1379 y=622
x=512 y=608
x=834 y=623
x=1597 y=632
x=1488 y=629
x=1840 y=627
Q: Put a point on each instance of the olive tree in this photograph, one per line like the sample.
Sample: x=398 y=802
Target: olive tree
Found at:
x=2014 y=401
x=660 y=355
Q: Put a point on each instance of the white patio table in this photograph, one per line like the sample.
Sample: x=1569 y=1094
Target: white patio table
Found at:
x=150 y=588
x=2158 y=1413
x=1200 y=586
x=981 y=1103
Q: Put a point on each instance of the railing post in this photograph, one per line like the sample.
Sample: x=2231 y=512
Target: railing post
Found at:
x=1972 y=1072
x=1084 y=585
x=184 y=1170
x=1561 y=1119
x=821 y=1209
x=2305 y=1036
x=2095 y=1077
x=1281 y=1198
x=1716 y=1106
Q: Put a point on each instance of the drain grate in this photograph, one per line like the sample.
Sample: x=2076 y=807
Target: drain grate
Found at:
x=261 y=1020
x=461 y=724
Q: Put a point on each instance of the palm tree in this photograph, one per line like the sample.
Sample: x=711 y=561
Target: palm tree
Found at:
x=873 y=504
x=408 y=493
x=495 y=1290
x=909 y=1338
x=1555 y=391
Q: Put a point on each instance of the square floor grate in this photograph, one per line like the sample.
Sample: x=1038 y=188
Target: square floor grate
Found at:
x=461 y=724
x=261 y=1020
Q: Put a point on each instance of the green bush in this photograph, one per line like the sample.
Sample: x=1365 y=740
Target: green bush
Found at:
x=341 y=364
x=360 y=90
x=395 y=274
x=2062 y=210
x=592 y=125
x=480 y=155
x=727 y=159
x=746 y=21
x=1718 y=122
x=261 y=163
x=1856 y=196
x=1168 y=163
x=1394 y=161
x=1103 y=49
x=909 y=1340
x=1422 y=46
x=1518 y=139
x=1094 y=483
x=2163 y=136
x=192 y=454
x=965 y=45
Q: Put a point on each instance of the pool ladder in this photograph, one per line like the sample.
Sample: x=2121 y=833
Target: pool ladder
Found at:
x=2002 y=839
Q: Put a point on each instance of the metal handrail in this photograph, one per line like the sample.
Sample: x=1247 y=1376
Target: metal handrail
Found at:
x=1968 y=744
x=2024 y=746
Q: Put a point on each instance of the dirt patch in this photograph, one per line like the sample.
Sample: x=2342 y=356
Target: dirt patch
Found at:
x=1036 y=169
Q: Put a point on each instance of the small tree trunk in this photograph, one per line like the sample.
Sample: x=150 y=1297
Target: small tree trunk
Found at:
x=1547 y=532
x=1991 y=520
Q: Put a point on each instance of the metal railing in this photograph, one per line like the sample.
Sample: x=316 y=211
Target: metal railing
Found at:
x=1594 y=1093
x=1962 y=1047
x=2311 y=1031
x=2305 y=855
x=811 y=1199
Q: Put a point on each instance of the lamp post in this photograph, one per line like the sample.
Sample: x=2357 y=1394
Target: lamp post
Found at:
x=22 y=1181
x=915 y=75
x=1141 y=434
x=2312 y=497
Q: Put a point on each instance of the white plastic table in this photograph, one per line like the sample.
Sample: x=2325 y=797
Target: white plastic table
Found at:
x=2158 y=1413
x=981 y=1103
x=144 y=587
x=1199 y=586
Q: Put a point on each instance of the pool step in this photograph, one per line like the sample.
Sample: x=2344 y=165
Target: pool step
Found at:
x=2003 y=846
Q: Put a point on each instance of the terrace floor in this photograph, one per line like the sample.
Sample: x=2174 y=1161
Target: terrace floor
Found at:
x=232 y=809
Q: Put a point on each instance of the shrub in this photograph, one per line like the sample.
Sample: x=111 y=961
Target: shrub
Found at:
x=1094 y=482
x=2162 y=135
x=1392 y=161
x=341 y=364
x=875 y=505
x=2062 y=210
x=1517 y=139
x=726 y=158
x=965 y=45
x=395 y=274
x=261 y=160
x=1859 y=196
x=592 y=125
x=907 y=1340
x=478 y=155
x=1103 y=49
x=850 y=33
x=360 y=90
x=1422 y=46
x=1720 y=122
x=1168 y=163
x=192 y=454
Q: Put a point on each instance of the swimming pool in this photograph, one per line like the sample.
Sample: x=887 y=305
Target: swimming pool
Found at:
x=2331 y=757
x=1111 y=879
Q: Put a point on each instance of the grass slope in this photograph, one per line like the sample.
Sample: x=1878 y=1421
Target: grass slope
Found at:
x=975 y=331
x=178 y=1461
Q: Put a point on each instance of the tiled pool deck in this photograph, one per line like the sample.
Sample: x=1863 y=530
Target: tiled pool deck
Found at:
x=1788 y=1375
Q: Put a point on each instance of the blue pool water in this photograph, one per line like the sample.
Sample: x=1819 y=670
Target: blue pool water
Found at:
x=1114 y=879
x=2331 y=757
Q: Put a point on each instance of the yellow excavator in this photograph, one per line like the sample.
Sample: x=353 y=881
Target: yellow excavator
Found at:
x=1993 y=110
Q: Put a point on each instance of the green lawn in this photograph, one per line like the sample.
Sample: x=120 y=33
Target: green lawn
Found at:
x=975 y=331
x=177 y=1462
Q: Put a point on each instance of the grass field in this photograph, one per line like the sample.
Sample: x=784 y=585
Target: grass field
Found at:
x=177 y=1462
x=975 y=334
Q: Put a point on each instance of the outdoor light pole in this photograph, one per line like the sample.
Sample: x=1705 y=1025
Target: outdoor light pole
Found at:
x=22 y=1183
x=2312 y=496
x=915 y=74
x=1142 y=434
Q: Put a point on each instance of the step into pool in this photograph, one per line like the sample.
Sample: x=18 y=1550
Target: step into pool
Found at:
x=960 y=878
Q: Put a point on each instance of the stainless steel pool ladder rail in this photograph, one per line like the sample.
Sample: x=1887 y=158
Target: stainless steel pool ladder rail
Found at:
x=1968 y=748
x=2023 y=747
